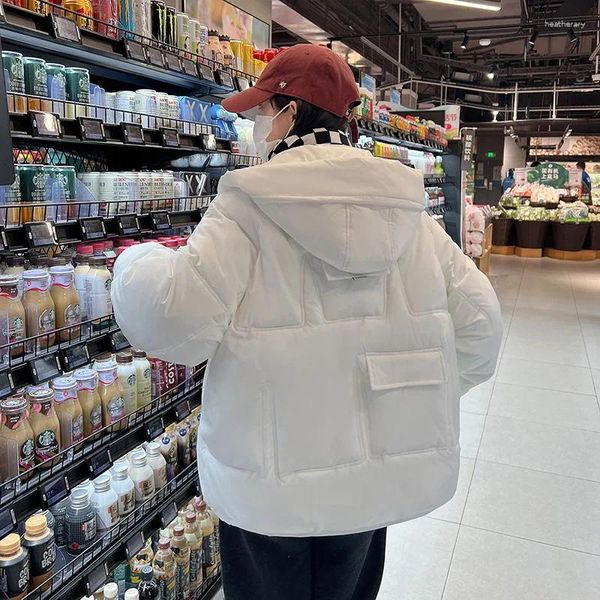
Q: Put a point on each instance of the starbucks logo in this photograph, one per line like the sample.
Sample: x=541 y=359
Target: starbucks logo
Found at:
x=131 y=380
x=18 y=323
x=47 y=438
x=39 y=179
x=40 y=75
x=107 y=284
x=27 y=450
x=16 y=70
x=84 y=83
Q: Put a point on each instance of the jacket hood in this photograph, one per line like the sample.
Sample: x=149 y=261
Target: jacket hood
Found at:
x=353 y=211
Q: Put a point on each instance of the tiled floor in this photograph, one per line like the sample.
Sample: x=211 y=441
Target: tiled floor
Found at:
x=525 y=522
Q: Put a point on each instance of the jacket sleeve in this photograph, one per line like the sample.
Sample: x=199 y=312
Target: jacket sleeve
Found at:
x=474 y=309
x=176 y=305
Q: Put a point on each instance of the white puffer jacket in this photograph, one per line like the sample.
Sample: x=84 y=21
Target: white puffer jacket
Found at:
x=342 y=325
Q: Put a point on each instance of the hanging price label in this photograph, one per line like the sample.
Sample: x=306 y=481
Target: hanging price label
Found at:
x=92 y=228
x=7 y=385
x=173 y=62
x=99 y=463
x=75 y=356
x=44 y=368
x=132 y=133
x=206 y=73
x=224 y=78
x=54 y=491
x=40 y=234
x=44 y=124
x=92 y=129
x=155 y=56
x=135 y=51
x=189 y=67
x=128 y=224
x=65 y=29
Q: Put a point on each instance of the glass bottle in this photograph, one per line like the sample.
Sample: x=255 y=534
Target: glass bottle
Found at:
x=111 y=392
x=80 y=522
x=15 y=265
x=68 y=410
x=180 y=548
x=99 y=281
x=40 y=316
x=39 y=541
x=89 y=398
x=165 y=570
x=14 y=567
x=128 y=379
x=17 y=455
x=45 y=425
x=193 y=535
x=143 y=376
x=66 y=302
x=12 y=316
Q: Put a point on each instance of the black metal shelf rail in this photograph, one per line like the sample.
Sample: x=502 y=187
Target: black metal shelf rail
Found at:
x=146 y=517
x=23 y=495
x=68 y=223
x=388 y=134
x=122 y=56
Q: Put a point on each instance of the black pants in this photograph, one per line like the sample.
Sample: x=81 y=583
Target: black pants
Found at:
x=341 y=567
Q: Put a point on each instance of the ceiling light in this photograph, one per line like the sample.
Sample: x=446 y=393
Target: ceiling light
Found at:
x=465 y=42
x=492 y=72
x=485 y=42
x=532 y=38
x=572 y=36
x=482 y=4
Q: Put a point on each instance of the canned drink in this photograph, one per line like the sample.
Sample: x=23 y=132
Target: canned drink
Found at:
x=13 y=68
x=182 y=23
x=38 y=6
x=81 y=12
x=146 y=190
x=203 y=47
x=125 y=106
x=158 y=188
x=60 y=190
x=248 y=57
x=171 y=22
x=32 y=179
x=57 y=86
x=180 y=193
x=91 y=180
x=36 y=83
x=106 y=11
x=162 y=109
x=110 y=99
x=174 y=112
x=158 y=20
x=78 y=90
x=194 y=35
x=167 y=193
x=143 y=18
x=145 y=107
x=133 y=193
x=106 y=192
x=11 y=195
x=98 y=101
x=237 y=47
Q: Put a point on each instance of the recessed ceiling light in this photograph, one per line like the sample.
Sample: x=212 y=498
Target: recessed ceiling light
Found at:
x=482 y=4
x=485 y=42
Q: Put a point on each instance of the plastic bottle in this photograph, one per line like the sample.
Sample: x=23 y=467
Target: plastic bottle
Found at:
x=89 y=398
x=110 y=391
x=142 y=476
x=111 y=591
x=131 y=594
x=148 y=588
x=98 y=285
x=143 y=375
x=80 y=522
x=193 y=535
x=165 y=569
x=106 y=503
x=158 y=465
x=39 y=541
x=209 y=559
x=128 y=378
x=80 y=277
x=181 y=550
x=168 y=448
x=124 y=488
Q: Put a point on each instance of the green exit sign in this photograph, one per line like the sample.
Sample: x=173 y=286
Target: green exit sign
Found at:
x=490 y=154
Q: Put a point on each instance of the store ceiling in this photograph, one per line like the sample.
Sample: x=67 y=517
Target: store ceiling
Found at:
x=433 y=34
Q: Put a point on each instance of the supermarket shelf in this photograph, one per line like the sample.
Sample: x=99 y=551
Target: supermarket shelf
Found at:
x=90 y=567
x=96 y=454
x=26 y=31
x=435 y=180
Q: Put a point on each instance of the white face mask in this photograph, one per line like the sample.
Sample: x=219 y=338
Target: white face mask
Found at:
x=263 y=126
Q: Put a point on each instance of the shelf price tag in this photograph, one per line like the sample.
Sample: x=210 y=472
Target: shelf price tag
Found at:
x=54 y=491
x=132 y=133
x=155 y=428
x=134 y=544
x=128 y=224
x=189 y=67
x=92 y=129
x=242 y=83
x=206 y=72
x=92 y=228
x=168 y=515
x=96 y=578
x=169 y=137
x=8 y=521
x=44 y=368
x=118 y=341
x=44 y=124
x=65 y=29
x=75 y=356
x=160 y=220
x=41 y=234
x=99 y=463
x=135 y=51
x=173 y=62
x=225 y=79
x=182 y=410
x=7 y=385
x=155 y=56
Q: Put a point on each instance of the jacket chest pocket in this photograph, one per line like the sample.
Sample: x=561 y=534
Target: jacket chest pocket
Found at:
x=408 y=398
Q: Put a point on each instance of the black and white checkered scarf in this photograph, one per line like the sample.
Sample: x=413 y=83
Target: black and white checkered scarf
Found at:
x=316 y=136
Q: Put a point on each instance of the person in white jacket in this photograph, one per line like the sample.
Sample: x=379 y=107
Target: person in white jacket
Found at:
x=341 y=325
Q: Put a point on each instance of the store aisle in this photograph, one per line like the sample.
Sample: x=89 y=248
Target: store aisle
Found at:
x=525 y=522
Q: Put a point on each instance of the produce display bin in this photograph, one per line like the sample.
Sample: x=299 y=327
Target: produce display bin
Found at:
x=531 y=234
x=569 y=236
x=503 y=234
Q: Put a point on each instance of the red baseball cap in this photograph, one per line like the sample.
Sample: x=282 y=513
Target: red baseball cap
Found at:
x=311 y=73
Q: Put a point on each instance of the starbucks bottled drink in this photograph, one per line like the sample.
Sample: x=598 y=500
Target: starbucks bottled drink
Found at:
x=12 y=316
x=89 y=399
x=45 y=425
x=68 y=410
x=16 y=438
x=66 y=302
x=40 y=316
x=143 y=377
x=111 y=392
x=127 y=377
